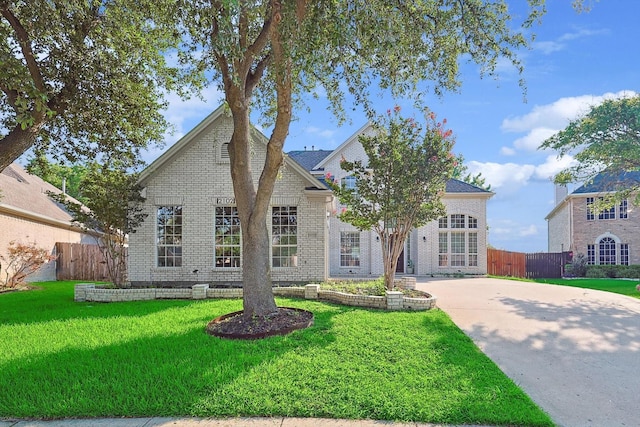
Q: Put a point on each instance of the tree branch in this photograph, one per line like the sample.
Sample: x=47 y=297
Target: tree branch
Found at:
x=25 y=46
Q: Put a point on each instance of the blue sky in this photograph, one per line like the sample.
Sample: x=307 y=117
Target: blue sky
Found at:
x=576 y=61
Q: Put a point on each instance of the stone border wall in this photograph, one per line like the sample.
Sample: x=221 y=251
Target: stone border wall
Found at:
x=393 y=300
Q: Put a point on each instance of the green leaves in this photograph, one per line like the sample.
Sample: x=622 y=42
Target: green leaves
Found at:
x=607 y=139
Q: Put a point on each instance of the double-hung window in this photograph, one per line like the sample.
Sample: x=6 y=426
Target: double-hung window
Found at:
x=228 y=237
x=284 y=236
x=169 y=236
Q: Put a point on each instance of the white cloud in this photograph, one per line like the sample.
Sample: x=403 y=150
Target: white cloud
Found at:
x=505 y=177
x=507 y=151
x=324 y=133
x=545 y=120
x=532 y=140
x=552 y=166
x=549 y=46
x=531 y=230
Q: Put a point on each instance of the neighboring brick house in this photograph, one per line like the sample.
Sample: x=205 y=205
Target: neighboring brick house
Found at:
x=192 y=232
x=28 y=215
x=611 y=236
x=456 y=243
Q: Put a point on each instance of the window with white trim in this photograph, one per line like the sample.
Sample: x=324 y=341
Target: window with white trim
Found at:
x=624 y=254
x=457 y=247
x=349 y=249
x=591 y=254
x=624 y=209
x=284 y=236
x=228 y=237
x=169 y=236
x=607 y=251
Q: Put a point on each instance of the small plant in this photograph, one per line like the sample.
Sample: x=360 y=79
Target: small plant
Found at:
x=578 y=266
x=21 y=261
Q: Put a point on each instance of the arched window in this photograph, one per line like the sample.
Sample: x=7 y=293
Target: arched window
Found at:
x=607 y=251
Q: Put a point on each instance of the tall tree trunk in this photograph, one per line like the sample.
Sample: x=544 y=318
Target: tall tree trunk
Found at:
x=15 y=143
x=258 y=297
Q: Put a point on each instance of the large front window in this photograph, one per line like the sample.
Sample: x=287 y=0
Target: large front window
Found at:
x=228 y=244
x=169 y=236
x=284 y=236
x=459 y=246
x=607 y=251
x=349 y=249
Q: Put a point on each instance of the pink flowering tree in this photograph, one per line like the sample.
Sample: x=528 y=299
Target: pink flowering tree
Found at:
x=401 y=184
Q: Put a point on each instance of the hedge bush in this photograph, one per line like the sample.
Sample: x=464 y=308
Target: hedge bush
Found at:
x=613 y=271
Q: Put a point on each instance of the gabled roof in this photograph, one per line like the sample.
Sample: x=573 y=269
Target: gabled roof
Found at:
x=25 y=195
x=457 y=186
x=309 y=159
x=186 y=140
x=606 y=182
x=341 y=147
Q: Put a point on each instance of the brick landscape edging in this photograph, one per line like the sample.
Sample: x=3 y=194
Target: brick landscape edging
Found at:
x=393 y=300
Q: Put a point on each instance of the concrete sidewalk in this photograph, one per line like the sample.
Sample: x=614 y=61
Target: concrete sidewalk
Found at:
x=575 y=352
x=208 y=422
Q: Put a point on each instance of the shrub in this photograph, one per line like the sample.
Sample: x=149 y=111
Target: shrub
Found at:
x=613 y=271
x=578 y=266
x=21 y=261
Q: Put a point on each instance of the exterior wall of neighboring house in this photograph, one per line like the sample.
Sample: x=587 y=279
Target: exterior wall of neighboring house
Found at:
x=28 y=215
x=611 y=237
x=194 y=177
x=559 y=227
x=591 y=232
x=359 y=253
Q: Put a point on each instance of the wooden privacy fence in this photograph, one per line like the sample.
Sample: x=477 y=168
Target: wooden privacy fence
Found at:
x=505 y=263
x=78 y=261
x=531 y=266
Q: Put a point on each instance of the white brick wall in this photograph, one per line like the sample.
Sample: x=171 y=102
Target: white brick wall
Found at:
x=196 y=177
x=423 y=253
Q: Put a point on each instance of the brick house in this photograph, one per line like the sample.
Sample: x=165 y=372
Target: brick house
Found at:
x=606 y=237
x=456 y=243
x=192 y=232
x=28 y=215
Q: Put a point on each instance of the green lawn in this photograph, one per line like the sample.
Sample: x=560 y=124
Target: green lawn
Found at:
x=618 y=286
x=62 y=359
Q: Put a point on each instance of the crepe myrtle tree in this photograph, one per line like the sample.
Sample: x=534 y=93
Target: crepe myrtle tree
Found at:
x=604 y=141
x=267 y=55
x=400 y=185
x=113 y=210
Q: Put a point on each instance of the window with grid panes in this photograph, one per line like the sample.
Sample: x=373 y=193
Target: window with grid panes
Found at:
x=169 y=236
x=458 y=252
x=607 y=251
x=590 y=212
x=591 y=254
x=443 y=249
x=457 y=221
x=228 y=241
x=284 y=236
x=349 y=249
x=443 y=222
x=624 y=253
x=473 y=249
x=623 y=208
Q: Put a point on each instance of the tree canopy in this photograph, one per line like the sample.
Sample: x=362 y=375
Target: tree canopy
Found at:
x=399 y=185
x=604 y=141
x=78 y=79
x=268 y=55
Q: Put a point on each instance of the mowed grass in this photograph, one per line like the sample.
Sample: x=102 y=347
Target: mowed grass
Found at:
x=64 y=359
x=618 y=286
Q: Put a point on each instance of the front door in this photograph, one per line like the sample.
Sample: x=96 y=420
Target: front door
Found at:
x=400 y=265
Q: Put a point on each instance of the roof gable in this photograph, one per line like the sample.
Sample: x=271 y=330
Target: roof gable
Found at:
x=309 y=159
x=172 y=152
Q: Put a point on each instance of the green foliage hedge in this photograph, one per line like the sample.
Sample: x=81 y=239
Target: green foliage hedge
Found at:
x=613 y=271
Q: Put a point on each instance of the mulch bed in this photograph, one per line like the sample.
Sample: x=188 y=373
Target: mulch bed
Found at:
x=235 y=326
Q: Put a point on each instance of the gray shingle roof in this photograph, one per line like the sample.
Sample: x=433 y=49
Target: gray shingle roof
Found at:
x=308 y=159
x=29 y=193
x=457 y=186
x=604 y=182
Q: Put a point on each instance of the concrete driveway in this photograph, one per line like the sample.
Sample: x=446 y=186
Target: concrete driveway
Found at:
x=575 y=352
